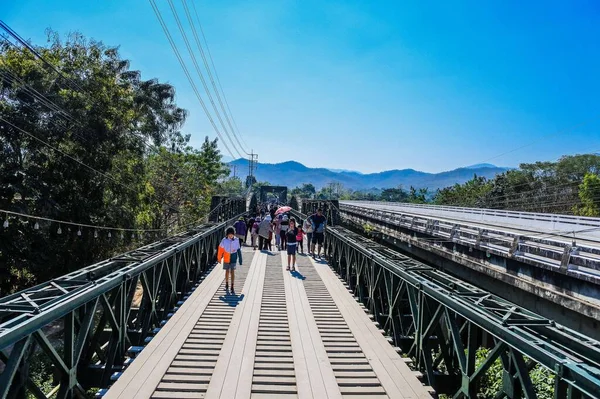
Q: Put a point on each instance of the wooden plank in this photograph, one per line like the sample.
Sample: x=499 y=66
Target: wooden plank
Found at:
x=233 y=373
x=144 y=374
x=314 y=374
x=268 y=388
x=177 y=395
x=393 y=373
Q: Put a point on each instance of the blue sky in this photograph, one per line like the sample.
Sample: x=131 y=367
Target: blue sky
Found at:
x=370 y=86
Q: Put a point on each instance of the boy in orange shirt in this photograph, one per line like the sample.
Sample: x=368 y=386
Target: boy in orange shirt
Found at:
x=229 y=252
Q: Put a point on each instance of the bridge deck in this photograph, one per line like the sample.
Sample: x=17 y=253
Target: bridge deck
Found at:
x=284 y=335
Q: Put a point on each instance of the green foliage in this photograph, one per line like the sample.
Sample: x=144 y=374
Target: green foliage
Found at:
x=41 y=372
x=107 y=121
x=568 y=185
x=232 y=186
x=417 y=196
x=394 y=195
x=467 y=194
x=589 y=194
x=307 y=190
x=491 y=383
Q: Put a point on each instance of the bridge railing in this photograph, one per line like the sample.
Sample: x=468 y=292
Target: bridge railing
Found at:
x=85 y=323
x=582 y=226
x=441 y=323
x=543 y=250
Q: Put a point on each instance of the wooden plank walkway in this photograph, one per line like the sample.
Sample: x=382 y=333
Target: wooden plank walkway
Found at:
x=284 y=335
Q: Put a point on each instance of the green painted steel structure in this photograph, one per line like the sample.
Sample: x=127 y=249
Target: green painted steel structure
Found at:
x=221 y=207
x=330 y=209
x=101 y=311
x=440 y=322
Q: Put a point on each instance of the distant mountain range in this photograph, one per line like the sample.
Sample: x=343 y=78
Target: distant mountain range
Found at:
x=292 y=174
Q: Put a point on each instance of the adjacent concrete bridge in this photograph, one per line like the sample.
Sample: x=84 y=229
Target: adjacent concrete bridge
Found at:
x=547 y=263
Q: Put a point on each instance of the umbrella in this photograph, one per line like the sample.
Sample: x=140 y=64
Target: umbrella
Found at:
x=283 y=209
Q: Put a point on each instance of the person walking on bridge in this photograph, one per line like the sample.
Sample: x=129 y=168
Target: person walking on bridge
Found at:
x=284 y=226
x=264 y=228
x=277 y=230
x=319 y=221
x=240 y=230
x=230 y=251
x=291 y=239
x=308 y=229
x=300 y=239
x=249 y=224
x=254 y=232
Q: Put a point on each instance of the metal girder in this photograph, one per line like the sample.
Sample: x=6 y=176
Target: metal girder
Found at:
x=330 y=209
x=449 y=319
x=98 y=313
x=280 y=191
x=222 y=208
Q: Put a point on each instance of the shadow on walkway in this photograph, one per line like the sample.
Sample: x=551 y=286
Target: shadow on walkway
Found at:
x=297 y=275
x=232 y=299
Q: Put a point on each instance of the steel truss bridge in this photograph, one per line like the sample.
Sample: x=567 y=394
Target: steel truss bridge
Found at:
x=372 y=322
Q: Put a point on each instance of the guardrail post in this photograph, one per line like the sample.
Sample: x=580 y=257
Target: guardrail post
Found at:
x=514 y=248
x=480 y=237
x=455 y=230
x=566 y=258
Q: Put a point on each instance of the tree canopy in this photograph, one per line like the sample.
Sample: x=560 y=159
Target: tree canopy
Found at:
x=94 y=145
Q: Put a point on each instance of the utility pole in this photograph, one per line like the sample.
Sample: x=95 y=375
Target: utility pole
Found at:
x=234 y=171
x=251 y=167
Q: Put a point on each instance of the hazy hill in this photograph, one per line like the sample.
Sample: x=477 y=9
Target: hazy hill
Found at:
x=293 y=173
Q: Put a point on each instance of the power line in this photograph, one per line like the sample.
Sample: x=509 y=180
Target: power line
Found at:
x=197 y=67
x=69 y=223
x=105 y=175
x=11 y=77
x=67 y=116
x=208 y=69
x=73 y=85
x=101 y=227
x=187 y=73
x=541 y=139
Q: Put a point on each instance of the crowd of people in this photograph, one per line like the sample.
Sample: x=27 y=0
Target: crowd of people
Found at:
x=268 y=229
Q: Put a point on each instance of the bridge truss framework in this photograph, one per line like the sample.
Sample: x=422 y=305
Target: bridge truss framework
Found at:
x=101 y=311
x=441 y=321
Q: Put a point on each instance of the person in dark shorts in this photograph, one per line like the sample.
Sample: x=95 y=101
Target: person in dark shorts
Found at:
x=230 y=251
x=318 y=224
x=249 y=224
x=291 y=234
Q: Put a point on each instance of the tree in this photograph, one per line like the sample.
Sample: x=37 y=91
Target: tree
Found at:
x=140 y=170
x=307 y=190
x=589 y=194
x=394 y=195
x=182 y=183
x=231 y=186
x=417 y=196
